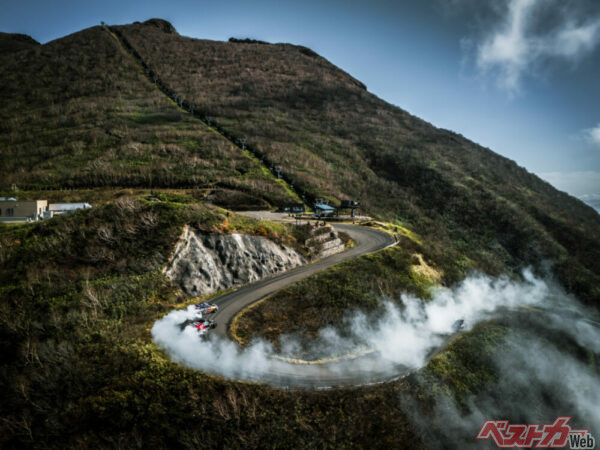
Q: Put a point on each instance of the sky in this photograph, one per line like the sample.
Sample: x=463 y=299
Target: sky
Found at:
x=518 y=76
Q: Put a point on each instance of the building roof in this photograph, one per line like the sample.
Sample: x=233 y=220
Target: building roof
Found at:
x=8 y=199
x=324 y=207
x=67 y=206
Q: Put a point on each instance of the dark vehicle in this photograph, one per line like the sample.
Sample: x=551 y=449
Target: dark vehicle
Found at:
x=458 y=325
x=348 y=204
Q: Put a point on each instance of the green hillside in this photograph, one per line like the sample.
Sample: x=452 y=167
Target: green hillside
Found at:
x=78 y=113
x=84 y=112
x=334 y=139
x=78 y=295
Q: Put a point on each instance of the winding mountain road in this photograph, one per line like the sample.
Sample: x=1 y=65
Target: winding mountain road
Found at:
x=220 y=356
x=360 y=370
x=367 y=240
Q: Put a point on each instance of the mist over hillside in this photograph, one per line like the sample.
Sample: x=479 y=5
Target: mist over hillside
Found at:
x=593 y=200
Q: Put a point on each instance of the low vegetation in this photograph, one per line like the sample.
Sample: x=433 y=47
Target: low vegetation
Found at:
x=78 y=113
x=81 y=291
x=80 y=121
x=79 y=295
x=334 y=139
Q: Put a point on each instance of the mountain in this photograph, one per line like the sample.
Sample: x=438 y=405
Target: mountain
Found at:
x=110 y=106
x=152 y=127
x=78 y=113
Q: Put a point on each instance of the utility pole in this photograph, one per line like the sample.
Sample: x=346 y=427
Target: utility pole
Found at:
x=243 y=143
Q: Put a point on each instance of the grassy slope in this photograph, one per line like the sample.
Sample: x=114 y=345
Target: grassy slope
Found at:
x=79 y=368
x=78 y=112
x=80 y=293
x=335 y=139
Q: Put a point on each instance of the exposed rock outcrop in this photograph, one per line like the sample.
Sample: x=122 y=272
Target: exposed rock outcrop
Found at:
x=205 y=263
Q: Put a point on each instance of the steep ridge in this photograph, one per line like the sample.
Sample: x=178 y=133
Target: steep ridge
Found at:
x=13 y=42
x=334 y=139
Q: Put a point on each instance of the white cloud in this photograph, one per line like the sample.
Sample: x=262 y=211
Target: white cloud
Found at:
x=519 y=45
x=593 y=135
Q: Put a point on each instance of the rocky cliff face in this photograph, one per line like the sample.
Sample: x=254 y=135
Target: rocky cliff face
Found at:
x=205 y=263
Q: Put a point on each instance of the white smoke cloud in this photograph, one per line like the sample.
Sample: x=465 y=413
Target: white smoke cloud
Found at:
x=393 y=342
x=520 y=45
x=547 y=368
x=214 y=355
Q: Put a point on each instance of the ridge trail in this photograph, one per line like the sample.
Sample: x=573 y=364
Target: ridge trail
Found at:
x=195 y=111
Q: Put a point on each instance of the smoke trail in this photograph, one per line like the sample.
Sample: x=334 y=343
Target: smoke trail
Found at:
x=213 y=355
x=405 y=334
x=547 y=366
x=397 y=339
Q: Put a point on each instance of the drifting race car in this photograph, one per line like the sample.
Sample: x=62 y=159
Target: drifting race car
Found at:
x=458 y=325
x=206 y=308
x=204 y=326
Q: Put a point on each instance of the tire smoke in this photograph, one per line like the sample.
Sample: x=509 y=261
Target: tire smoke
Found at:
x=398 y=339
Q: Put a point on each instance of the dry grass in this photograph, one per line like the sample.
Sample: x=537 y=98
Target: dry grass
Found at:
x=332 y=138
x=77 y=113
